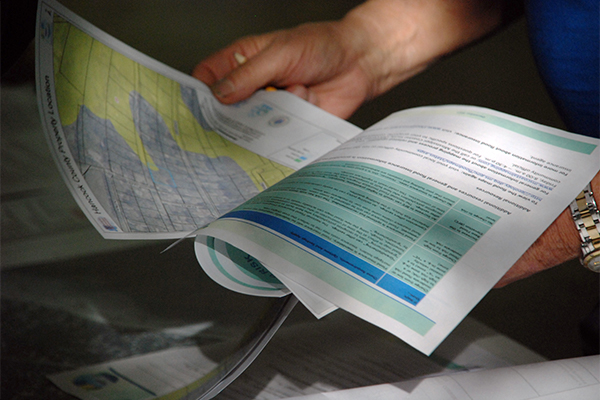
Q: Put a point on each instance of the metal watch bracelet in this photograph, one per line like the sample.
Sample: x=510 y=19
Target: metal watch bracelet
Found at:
x=587 y=220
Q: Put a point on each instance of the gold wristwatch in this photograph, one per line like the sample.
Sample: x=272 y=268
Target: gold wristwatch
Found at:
x=587 y=219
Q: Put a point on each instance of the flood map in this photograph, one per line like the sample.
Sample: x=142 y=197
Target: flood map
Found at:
x=142 y=144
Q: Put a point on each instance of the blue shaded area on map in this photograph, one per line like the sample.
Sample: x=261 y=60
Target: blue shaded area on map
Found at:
x=190 y=99
x=178 y=191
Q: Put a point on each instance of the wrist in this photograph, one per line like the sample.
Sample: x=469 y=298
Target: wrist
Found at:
x=584 y=211
x=559 y=243
x=399 y=39
x=385 y=35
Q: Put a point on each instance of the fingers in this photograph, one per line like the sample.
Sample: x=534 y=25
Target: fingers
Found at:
x=218 y=65
x=232 y=73
x=311 y=61
x=304 y=93
x=335 y=97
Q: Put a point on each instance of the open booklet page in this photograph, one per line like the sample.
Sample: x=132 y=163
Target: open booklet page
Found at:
x=410 y=224
x=240 y=272
x=146 y=150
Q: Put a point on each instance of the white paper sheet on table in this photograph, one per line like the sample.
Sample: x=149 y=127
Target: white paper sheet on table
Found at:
x=576 y=378
x=338 y=352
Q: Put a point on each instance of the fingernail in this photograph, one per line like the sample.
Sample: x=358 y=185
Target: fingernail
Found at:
x=240 y=58
x=223 y=88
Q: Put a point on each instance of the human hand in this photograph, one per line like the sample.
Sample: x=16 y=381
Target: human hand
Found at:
x=334 y=65
x=317 y=62
x=558 y=244
x=339 y=65
x=312 y=61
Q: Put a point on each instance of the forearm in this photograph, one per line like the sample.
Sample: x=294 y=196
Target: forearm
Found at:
x=401 y=38
x=558 y=244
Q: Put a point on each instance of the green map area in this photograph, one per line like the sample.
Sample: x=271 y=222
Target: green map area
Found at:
x=142 y=143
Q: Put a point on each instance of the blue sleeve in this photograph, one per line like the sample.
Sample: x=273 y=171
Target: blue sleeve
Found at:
x=564 y=37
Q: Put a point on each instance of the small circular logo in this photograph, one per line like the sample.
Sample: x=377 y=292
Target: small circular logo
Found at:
x=279 y=121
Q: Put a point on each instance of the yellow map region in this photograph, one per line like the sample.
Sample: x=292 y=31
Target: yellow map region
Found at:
x=89 y=73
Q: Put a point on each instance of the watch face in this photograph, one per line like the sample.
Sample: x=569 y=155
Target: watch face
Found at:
x=592 y=261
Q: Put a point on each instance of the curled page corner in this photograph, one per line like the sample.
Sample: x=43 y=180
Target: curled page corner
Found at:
x=317 y=305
